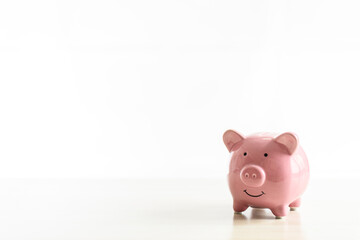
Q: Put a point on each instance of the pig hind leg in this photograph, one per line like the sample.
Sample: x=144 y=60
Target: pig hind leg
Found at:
x=295 y=204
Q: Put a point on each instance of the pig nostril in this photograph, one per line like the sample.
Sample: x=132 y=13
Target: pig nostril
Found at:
x=254 y=175
x=246 y=175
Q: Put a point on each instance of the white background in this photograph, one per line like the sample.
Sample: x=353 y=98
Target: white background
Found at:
x=146 y=88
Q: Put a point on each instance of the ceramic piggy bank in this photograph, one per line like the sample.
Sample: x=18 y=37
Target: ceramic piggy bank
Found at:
x=266 y=171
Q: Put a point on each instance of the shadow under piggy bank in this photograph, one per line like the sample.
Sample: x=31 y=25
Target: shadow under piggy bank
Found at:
x=261 y=224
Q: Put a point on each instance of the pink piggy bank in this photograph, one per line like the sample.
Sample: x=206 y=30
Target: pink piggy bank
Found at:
x=266 y=171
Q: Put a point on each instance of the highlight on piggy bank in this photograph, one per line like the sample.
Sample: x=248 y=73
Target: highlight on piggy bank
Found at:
x=266 y=171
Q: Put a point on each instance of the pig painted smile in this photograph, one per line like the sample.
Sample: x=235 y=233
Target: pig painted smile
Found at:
x=262 y=193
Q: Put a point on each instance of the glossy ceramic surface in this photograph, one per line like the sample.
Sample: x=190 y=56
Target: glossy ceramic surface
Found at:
x=266 y=171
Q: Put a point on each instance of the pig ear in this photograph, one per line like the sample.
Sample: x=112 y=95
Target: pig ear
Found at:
x=289 y=141
x=231 y=138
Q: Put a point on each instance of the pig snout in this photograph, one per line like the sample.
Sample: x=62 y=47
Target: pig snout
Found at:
x=252 y=176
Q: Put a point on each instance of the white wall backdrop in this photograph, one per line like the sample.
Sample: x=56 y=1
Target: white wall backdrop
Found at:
x=146 y=88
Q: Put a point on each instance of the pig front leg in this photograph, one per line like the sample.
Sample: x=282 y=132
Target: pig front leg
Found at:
x=295 y=204
x=239 y=206
x=280 y=211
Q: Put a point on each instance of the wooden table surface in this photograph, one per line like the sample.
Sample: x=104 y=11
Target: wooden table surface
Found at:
x=167 y=209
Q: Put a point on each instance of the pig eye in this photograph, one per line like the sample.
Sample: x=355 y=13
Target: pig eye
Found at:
x=245 y=153
x=265 y=154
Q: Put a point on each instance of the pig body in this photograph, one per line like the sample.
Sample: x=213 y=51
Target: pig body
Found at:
x=266 y=171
